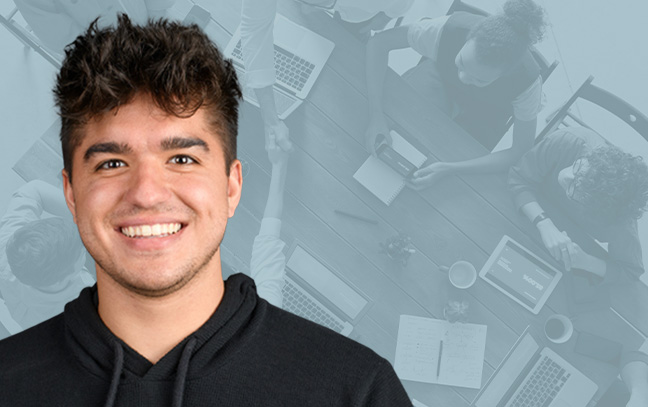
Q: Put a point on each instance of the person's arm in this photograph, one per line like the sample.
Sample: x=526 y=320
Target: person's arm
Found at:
x=526 y=107
x=524 y=181
x=268 y=260
x=634 y=374
x=377 y=57
x=257 y=44
x=523 y=136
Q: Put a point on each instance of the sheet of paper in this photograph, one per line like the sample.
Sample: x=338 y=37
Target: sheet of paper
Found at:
x=418 y=351
x=463 y=355
x=417 y=348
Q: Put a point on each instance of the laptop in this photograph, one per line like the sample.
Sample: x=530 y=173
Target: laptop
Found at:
x=300 y=55
x=520 y=274
x=315 y=292
x=534 y=377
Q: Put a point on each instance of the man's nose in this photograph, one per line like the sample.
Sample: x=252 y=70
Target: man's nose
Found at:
x=149 y=185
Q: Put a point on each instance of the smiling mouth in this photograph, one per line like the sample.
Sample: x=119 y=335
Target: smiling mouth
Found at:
x=151 y=231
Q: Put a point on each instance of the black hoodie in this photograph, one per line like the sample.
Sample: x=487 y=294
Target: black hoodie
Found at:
x=248 y=353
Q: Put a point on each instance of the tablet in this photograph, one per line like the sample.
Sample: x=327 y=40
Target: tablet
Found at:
x=520 y=274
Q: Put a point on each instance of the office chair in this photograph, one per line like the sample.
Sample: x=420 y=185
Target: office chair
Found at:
x=605 y=100
x=29 y=39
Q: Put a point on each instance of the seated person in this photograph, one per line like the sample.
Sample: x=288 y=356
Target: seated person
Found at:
x=257 y=24
x=632 y=389
x=601 y=188
x=268 y=260
x=41 y=258
x=57 y=23
x=479 y=70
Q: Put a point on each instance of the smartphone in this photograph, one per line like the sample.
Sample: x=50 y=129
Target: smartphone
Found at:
x=396 y=161
x=198 y=15
x=598 y=348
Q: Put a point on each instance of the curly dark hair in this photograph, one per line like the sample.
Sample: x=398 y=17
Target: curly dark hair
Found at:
x=614 y=184
x=502 y=39
x=177 y=65
x=43 y=252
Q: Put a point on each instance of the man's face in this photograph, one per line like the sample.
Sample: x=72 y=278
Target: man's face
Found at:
x=151 y=196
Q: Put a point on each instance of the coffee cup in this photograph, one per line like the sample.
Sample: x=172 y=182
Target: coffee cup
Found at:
x=462 y=274
x=558 y=328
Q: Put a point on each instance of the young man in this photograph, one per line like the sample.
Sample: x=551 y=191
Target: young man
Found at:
x=149 y=124
x=601 y=188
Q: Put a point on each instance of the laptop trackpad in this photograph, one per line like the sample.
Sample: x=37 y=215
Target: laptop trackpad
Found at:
x=560 y=403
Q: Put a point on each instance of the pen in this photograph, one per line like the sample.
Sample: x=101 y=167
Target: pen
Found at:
x=358 y=217
x=439 y=360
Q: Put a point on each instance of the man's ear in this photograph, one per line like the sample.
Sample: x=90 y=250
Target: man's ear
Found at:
x=234 y=186
x=69 y=193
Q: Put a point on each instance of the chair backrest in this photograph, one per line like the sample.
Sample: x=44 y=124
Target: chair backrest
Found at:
x=605 y=100
x=28 y=38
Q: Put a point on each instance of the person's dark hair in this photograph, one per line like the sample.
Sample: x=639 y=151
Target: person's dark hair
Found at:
x=177 y=65
x=502 y=39
x=44 y=251
x=614 y=185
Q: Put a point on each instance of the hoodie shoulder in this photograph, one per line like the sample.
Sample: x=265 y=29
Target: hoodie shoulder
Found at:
x=36 y=345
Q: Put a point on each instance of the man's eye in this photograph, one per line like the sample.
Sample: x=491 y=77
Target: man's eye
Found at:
x=111 y=164
x=182 y=160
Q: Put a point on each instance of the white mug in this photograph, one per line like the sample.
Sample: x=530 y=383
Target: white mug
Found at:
x=558 y=328
x=462 y=274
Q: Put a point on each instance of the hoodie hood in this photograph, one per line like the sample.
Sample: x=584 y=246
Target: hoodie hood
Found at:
x=105 y=355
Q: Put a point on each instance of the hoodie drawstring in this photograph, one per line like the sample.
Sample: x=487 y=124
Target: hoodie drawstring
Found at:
x=117 y=372
x=181 y=374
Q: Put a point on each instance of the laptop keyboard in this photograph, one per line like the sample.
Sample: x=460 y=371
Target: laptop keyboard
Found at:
x=291 y=70
x=542 y=386
x=300 y=303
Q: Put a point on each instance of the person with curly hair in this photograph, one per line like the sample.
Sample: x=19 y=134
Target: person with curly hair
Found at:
x=149 y=123
x=478 y=70
x=601 y=188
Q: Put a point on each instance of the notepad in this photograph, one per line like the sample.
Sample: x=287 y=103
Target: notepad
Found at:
x=382 y=180
x=419 y=346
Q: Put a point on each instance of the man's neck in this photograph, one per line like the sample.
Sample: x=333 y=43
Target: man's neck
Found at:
x=154 y=326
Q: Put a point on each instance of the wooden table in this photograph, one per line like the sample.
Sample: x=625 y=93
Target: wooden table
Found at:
x=459 y=218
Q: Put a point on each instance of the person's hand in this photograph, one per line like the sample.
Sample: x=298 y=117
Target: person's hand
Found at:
x=277 y=135
x=278 y=156
x=377 y=127
x=559 y=245
x=428 y=175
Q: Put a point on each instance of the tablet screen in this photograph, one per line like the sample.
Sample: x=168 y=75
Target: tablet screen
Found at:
x=520 y=274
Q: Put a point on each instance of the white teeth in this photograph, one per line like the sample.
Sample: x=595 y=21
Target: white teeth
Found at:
x=157 y=230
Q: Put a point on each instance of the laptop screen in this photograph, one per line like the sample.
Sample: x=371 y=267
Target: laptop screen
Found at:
x=509 y=371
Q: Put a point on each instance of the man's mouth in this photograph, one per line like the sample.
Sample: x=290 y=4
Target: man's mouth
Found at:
x=150 y=231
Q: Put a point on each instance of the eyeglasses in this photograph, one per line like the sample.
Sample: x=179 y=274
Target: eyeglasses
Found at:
x=319 y=6
x=576 y=168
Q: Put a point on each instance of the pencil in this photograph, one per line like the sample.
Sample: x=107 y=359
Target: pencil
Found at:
x=354 y=216
x=439 y=360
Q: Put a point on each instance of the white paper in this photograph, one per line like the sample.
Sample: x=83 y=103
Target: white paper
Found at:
x=418 y=350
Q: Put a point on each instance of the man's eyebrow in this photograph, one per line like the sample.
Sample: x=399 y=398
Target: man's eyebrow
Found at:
x=175 y=143
x=109 y=147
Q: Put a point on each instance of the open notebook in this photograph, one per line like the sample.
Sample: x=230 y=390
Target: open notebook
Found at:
x=380 y=178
